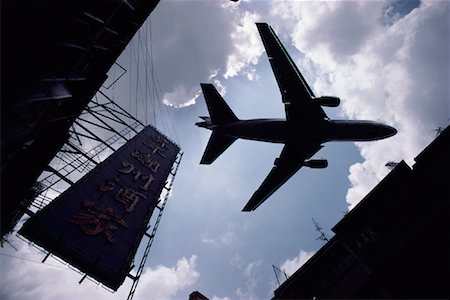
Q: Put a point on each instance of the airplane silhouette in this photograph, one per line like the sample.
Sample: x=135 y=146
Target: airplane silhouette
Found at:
x=303 y=132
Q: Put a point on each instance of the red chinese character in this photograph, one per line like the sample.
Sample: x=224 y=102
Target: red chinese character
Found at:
x=107 y=185
x=97 y=220
x=146 y=161
x=158 y=145
x=129 y=197
x=128 y=168
x=149 y=181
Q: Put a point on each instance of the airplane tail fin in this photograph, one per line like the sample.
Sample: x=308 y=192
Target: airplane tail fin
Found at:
x=217 y=144
x=219 y=111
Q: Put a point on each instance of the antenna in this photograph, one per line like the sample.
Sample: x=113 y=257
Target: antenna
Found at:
x=439 y=130
x=277 y=270
x=323 y=237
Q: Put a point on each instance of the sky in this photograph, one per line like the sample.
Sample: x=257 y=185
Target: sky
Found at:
x=388 y=61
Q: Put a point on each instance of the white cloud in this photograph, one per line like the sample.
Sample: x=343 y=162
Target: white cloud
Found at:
x=217 y=83
x=219 y=298
x=164 y=282
x=214 y=74
x=25 y=277
x=228 y=46
x=248 y=292
x=180 y=97
x=209 y=241
x=225 y=239
x=185 y=51
x=237 y=261
x=247 y=48
x=411 y=94
x=292 y=265
x=396 y=75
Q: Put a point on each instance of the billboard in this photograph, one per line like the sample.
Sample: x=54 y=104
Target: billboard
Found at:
x=98 y=223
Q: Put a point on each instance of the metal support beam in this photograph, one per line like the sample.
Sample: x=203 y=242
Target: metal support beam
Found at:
x=50 y=169
x=94 y=135
x=83 y=278
x=47 y=256
x=151 y=237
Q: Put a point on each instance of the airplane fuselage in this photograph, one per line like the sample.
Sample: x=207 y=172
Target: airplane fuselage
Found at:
x=282 y=131
x=303 y=132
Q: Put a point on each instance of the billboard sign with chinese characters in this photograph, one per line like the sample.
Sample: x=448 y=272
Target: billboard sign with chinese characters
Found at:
x=98 y=223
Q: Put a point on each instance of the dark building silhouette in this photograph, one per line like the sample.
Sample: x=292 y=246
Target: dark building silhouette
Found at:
x=393 y=244
x=197 y=296
x=54 y=58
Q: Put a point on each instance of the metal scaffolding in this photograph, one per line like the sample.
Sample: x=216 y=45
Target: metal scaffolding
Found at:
x=99 y=131
x=161 y=205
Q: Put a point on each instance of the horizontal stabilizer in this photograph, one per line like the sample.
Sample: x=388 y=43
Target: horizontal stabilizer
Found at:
x=217 y=144
x=219 y=111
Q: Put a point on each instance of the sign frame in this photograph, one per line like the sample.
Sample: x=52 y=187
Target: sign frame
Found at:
x=98 y=223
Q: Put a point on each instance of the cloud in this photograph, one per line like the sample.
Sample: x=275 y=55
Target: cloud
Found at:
x=247 y=47
x=395 y=72
x=25 y=277
x=412 y=91
x=219 y=298
x=292 y=265
x=217 y=83
x=183 y=57
x=180 y=97
x=164 y=282
x=248 y=292
x=237 y=261
x=185 y=51
x=225 y=239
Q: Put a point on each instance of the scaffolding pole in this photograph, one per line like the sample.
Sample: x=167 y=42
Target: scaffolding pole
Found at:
x=140 y=269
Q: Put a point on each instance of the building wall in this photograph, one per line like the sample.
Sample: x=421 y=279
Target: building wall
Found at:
x=55 y=56
x=393 y=244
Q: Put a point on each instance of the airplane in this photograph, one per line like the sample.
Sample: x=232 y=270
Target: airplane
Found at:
x=303 y=132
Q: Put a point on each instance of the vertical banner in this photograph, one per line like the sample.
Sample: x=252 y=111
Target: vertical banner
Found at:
x=98 y=223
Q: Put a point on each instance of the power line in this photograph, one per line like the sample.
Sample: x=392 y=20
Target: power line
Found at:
x=35 y=261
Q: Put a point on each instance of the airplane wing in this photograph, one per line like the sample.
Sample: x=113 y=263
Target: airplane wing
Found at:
x=296 y=95
x=290 y=161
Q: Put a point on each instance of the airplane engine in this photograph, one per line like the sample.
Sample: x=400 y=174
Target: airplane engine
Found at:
x=316 y=163
x=206 y=122
x=329 y=101
x=279 y=162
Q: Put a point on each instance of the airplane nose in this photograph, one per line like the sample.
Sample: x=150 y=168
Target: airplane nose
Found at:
x=388 y=131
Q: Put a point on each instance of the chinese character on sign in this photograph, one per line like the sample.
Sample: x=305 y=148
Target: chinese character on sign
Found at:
x=148 y=180
x=129 y=197
x=97 y=220
x=128 y=168
x=158 y=145
x=107 y=185
x=146 y=160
